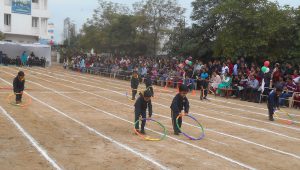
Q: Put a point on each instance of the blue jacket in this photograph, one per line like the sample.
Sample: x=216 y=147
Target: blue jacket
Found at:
x=273 y=100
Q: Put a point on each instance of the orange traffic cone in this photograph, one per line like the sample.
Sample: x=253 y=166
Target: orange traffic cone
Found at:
x=165 y=88
x=193 y=92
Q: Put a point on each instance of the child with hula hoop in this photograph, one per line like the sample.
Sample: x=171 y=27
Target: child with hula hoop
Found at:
x=18 y=84
x=273 y=102
x=179 y=103
x=140 y=107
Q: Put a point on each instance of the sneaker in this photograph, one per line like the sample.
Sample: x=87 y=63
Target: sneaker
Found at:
x=271 y=118
x=143 y=132
x=176 y=133
x=204 y=98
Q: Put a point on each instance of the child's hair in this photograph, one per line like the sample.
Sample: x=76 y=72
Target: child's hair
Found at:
x=21 y=73
x=183 y=88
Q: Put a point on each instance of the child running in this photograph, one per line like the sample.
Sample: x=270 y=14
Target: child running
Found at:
x=142 y=103
x=18 y=84
x=179 y=102
x=134 y=84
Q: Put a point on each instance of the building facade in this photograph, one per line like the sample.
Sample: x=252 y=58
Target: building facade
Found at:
x=69 y=29
x=24 y=21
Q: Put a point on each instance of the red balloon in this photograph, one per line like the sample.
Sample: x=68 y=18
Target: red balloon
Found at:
x=267 y=63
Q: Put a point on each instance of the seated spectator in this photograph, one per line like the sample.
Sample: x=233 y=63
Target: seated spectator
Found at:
x=297 y=96
x=289 y=89
x=226 y=83
x=215 y=81
x=242 y=85
x=280 y=83
x=251 y=91
x=296 y=74
x=235 y=86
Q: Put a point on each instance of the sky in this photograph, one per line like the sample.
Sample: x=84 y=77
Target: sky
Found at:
x=80 y=10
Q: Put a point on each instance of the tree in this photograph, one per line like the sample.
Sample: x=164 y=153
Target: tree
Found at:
x=159 y=16
x=250 y=28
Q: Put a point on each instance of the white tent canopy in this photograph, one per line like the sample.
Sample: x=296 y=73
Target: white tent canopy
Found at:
x=15 y=49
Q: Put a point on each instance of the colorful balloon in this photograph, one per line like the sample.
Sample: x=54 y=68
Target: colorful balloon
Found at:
x=264 y=69
x=267 y=63
x=190 y=63
x=187 y=61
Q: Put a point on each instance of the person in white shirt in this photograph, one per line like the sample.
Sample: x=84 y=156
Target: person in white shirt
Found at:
x=225 y=69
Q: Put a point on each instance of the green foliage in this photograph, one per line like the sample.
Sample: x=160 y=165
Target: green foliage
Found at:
x=231 y=28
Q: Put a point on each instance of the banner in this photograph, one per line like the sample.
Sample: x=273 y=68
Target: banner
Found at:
x=21 y=7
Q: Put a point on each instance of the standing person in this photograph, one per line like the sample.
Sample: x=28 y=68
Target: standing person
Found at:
x=273 y=102
x=18 y=84
x=148 y=83
x=204 y=83
x=179 y=103
x=134 y=84
x=1 y=57
x=140 y=107
x=24 y=58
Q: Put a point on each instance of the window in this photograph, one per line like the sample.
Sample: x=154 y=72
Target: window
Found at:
x=35 y=22
x=35 y=1
x=7 y=19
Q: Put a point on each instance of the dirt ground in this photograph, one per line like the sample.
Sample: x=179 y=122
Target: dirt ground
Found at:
x=84 y=121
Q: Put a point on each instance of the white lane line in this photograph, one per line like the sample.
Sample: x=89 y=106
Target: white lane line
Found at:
x=118 y=83
x=97 y=132
x=32 y=141
x=210 y=117
x=220 y=133
x=111 y=114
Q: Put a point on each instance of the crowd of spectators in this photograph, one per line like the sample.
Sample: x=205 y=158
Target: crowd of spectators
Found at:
x=23 y=60
x=238 y=79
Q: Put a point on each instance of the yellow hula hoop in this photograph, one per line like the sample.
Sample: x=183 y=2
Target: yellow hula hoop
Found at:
x=289 y=122
x=8 y=99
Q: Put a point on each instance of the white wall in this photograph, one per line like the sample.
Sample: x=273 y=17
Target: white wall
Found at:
x=22 y=24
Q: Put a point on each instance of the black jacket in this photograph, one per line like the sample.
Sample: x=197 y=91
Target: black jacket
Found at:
x=179 y=103
x=141 y=106
x=148 y=81
x=18 y=85
x=134 y=83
